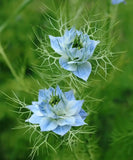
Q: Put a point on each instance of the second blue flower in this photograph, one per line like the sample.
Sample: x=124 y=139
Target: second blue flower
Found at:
x=75 y=49
x=57 y=111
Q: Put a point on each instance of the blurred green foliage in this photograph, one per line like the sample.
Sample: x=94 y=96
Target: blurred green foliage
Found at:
x=114 y=122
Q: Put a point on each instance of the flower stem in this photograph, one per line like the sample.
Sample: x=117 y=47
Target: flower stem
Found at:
x=8 y=62
x=17 y=11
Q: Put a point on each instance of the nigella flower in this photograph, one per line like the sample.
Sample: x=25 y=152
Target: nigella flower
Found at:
x=57 y=111
x=75 y=49
x=118 y=1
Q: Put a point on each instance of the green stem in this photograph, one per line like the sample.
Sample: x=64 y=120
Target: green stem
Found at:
x=75 y=156
x=19 y=9
x=8 y=62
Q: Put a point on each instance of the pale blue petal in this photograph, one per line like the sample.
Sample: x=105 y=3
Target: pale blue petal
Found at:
x=70 y=95
x=64 y=64
x=117 y=1
x=79 y=33
x=89 y=46
x=93 y=46
x=83 y=114
x=70 y=32
x=66 y=121
x=47 y=124
x=63 y=99
x=85 y=40
x=83 y=71
x=34 y=119
x=78 y=121
x=42 y=107
x=58 y=91
x=69 y=36
x=52 y=91
x=44 y=95
x=61 y=130
x=86 y=54
x=73 y=107
x=46 y=109
x=76 y=53
x=59 y=109
x=34 y=103
x=56 y=44
x=35 y=109
x=49 y=111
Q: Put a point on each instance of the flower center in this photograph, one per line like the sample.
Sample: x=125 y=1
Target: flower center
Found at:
x=77 y=43
x=54 y=100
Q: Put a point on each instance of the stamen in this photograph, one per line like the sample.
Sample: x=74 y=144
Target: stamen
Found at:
x=77 y=43
x=54 y=100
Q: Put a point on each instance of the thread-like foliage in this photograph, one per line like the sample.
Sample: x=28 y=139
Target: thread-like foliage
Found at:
x=99 y=23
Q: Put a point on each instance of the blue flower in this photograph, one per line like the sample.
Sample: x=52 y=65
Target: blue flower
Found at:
x=75 y=49
x=118 y=1
x=57 y=111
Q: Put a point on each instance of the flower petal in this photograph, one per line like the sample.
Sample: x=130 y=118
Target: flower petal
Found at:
x=46 y=109
x=56 y=44
x=42 y=107
x=34 y=119
x=59 y=109
x=44 y=95
x=83 y=70
x=64 y=64
x=49 y=111
x=118 y=1
x=89 y=46
x=58 y=91
x=35 y=109
x=51 y=91
x=70 y=95
x=78 y=121
x=61 y=130
x=69 y=35
x=93 y=45
x=73 y=107
x=83 y=114
x=79 y=33
x=76 y=55
x=47 y=124
x=66 y=121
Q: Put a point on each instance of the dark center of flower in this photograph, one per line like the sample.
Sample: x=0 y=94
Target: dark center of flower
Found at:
x=77 y=43
x=76 y=59
x=54 y=100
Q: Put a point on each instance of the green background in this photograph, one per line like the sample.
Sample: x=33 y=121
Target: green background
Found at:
x=114 y=120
